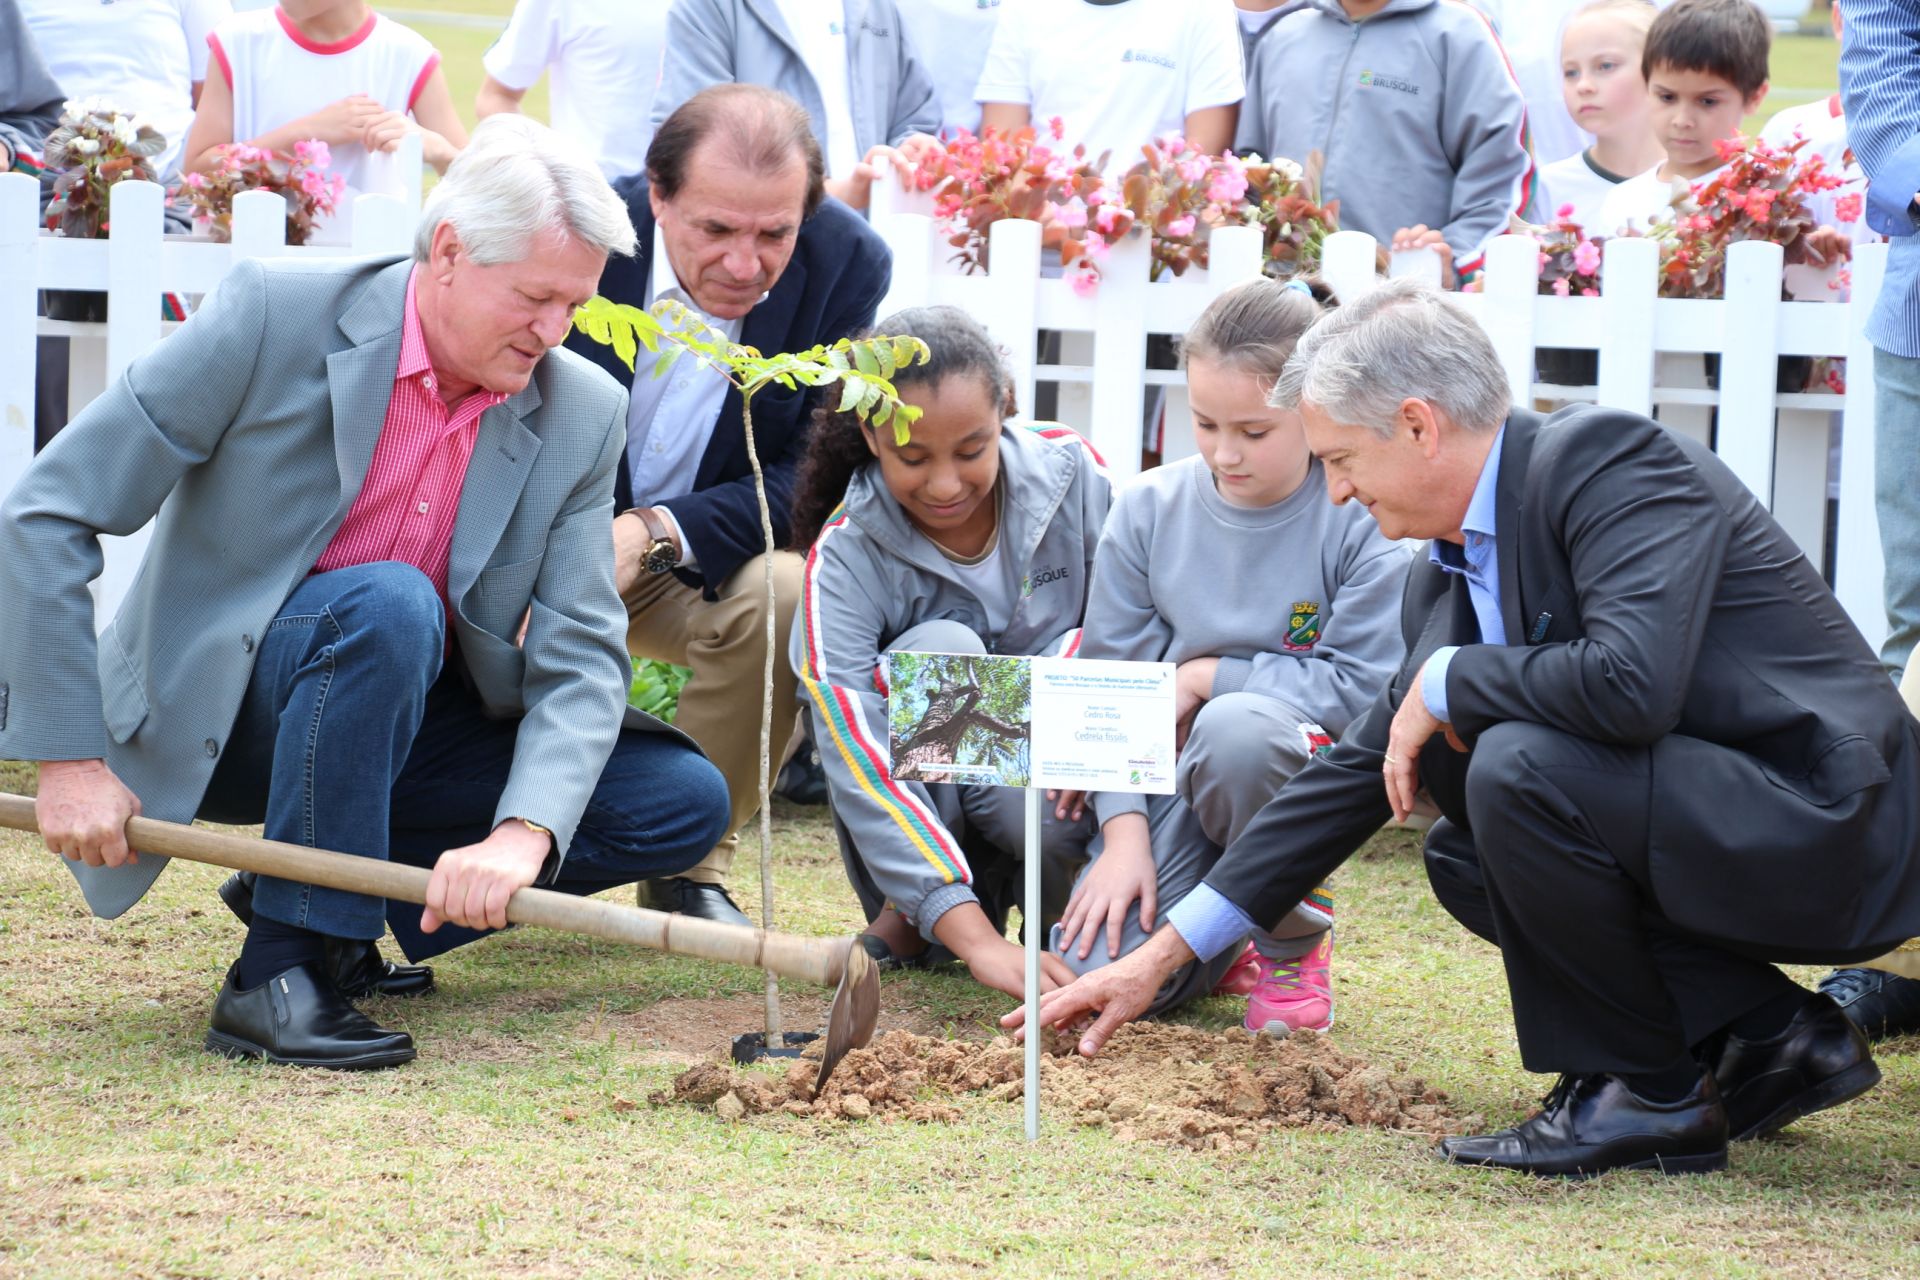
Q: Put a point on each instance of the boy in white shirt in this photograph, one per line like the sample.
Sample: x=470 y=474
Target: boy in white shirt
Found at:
x=604 y=60
x=951 y=39
x=1118 y=73
x=1705 y=63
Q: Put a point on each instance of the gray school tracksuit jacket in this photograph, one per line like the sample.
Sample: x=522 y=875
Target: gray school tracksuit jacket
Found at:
x=1300 y=601
x=870 y=577
x=1415 y=110
x=747 y=42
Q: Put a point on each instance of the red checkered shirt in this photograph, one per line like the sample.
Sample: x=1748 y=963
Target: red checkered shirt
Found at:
x=406 y=508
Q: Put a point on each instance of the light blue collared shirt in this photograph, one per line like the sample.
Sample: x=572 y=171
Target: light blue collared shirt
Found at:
x=1206 y=919
x=1479 y=563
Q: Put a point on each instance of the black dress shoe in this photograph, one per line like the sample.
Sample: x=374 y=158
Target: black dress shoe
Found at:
x=1590 y=1124
x=701 y=901
x=1818 y=1060
x=1879 y=1003
x=357 y=968
x=298 y=1019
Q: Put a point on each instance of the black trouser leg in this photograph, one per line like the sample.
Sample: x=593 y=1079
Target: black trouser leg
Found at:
x=1599 y=981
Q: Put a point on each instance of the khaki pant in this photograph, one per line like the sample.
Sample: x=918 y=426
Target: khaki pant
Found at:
x=723 y=642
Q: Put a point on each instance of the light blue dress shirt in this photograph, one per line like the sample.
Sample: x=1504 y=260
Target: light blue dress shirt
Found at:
x=1209 y=922
x=1479 y=563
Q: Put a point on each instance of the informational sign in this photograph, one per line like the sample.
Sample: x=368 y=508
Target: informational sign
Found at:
x=1074 y=723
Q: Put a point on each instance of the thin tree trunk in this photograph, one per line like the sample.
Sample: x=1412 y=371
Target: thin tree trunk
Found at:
x=775 y=1038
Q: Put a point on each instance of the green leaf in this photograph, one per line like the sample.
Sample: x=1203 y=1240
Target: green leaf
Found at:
x=667 y=356
x=884 y=352
x=864 y=360
x=855 y=387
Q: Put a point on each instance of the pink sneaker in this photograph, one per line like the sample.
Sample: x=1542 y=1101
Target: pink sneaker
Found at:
x=1242 y=976
x=1293 y=994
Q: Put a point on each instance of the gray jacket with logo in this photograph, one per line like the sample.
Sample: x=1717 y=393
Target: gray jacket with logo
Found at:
x=1414 y=108
x=747 y=42
x=871 y=577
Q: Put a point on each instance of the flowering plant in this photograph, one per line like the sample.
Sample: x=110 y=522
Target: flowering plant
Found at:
x=96 y=146
x=1569 y=258
x=1177 y=193
x=1760 y=194
x=300 y=179
x=978 y=179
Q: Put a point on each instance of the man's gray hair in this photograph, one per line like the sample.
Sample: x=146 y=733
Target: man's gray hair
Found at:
x=1403 y=340
x=516 y=180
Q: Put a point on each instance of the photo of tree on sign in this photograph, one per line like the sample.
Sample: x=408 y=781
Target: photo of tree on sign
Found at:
x=960 y=718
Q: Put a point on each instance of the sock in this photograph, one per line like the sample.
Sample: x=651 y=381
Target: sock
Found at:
x=1764 y=1021
x=272 y=947
x=1668 y=1085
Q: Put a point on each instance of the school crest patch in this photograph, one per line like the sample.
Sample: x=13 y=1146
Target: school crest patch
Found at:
x=1303 y=627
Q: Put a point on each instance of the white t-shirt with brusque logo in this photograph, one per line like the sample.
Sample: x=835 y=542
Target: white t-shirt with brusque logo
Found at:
x=1118 y=75
x=819 y=28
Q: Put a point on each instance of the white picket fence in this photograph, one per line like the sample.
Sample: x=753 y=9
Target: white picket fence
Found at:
x=1778 y=443
x=135 y=266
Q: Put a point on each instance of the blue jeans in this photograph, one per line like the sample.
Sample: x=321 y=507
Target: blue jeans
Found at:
x=352 y=738
x=1896 y=498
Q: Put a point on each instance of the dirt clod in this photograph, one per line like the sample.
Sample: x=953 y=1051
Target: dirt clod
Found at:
x=1154 y=1083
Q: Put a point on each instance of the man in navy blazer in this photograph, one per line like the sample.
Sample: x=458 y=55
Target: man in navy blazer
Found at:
x=734 y=225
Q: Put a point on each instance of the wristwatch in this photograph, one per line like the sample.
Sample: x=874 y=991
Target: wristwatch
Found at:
x=662 y=552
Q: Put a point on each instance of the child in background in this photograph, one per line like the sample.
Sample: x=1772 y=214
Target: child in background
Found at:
x=331 y=70
x=951 y=39
x=1413 y=107
x=1607 y=96
x=1281 y=612
x=976 y=536
x=1705 y=64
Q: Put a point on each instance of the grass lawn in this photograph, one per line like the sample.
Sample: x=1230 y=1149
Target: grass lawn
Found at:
x=511 y=1146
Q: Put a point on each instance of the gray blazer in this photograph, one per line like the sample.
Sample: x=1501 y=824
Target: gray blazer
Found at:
x=747 y=42
x=249 y=433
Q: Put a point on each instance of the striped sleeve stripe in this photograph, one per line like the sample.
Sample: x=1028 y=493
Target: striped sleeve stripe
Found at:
x=855 y=741
x=1067 y=435
x=1524 y=186
x=1069 y=644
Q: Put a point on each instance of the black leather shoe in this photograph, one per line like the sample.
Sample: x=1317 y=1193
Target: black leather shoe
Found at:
x=1818 y=1060
x=701 y=901
x=298 y=1019
x=1591 y=1124
x=1879 y=1003
x=357 y=968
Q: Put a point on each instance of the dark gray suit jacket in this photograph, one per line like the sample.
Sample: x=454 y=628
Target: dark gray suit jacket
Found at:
x=1651 y=601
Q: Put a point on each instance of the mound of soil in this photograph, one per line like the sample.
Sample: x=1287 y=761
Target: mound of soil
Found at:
x=1158 y=1083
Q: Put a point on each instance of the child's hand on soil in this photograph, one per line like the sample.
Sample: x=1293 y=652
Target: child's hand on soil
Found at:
x=1122 y=873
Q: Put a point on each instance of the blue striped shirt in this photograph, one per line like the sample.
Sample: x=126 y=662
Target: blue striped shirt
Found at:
x=1880 y=88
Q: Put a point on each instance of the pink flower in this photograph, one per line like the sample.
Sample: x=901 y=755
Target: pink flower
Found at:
x=1847 y=208
x=196 y=180
x=1586 y=257
x=1182 y=227
x=1564 y=211
x=313 y=182
x=1561 y=287
x=1107 y=220
x=1094 y=249
x=1072 y=214
x=1057 y=127
x=1589 y=292
x=1086 y=282
x=1229 y=184
x=1192 y=169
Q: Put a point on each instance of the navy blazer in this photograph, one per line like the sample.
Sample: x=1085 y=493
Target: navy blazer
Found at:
x=832 y=286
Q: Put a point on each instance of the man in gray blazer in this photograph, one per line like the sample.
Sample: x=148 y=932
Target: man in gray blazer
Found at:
x=366 y=478
x=1666 y=759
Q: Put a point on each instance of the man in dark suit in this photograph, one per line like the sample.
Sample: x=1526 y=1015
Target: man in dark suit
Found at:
x=732 y=224
x=1664 y=755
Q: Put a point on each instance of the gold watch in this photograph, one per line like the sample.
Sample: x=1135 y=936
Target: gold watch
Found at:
x=535 y=827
